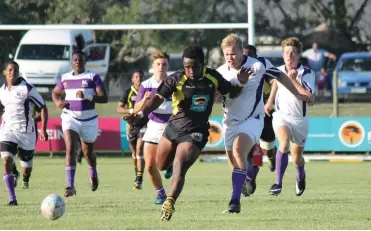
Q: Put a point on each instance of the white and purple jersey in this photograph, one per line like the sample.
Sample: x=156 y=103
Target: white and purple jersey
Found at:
x=286 y=102
x=78 y=108
x=16 y=103
x=164 y=111
x=249 y=103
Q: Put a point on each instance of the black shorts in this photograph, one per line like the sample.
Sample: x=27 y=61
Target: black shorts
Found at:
x=268 y=132
x=134 y=133
x=197 y=137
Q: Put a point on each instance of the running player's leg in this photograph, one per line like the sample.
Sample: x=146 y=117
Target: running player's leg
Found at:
x=241 y=147
x=180 y=151
x=151 y=138
x=153 y=172
x=133 y=147
x=165 y=151
x=283 y=134
x=79 y=152
x=88 y=135
x=88 y=150
x=8 y=150
x=267 y=144
x=26 y=157
x=185 y=156
x=252 y=172
x=132 y=136
x=71 y=138
x=139 y=162
x=300 y=133
x=15 y=173
x=239 y=141
x=26 y=150
x=298 y=160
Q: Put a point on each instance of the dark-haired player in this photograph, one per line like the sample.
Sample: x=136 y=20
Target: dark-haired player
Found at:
x=186 y=134
x=18 y=132
x=82 y=89
x=135 y=131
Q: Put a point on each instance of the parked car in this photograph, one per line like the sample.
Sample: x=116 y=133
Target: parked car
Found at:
x=354 y=74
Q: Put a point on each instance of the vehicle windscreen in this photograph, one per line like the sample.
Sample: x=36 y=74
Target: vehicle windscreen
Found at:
x=44 y=52
x=355 y=64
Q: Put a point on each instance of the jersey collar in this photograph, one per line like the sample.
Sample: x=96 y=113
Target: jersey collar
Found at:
x=296 y=68
x=17 y=82
x=133 y=89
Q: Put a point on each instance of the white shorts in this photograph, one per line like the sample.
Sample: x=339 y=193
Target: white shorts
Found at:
x=154 y=132
x=297 y=126
x=26 y=141
x=87 y=130
x=252 y=127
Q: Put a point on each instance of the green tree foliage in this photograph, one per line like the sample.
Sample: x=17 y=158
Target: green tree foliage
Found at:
x=130 y=48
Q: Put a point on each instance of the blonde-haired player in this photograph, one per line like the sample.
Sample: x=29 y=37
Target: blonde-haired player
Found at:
x=244 y=115
x=289 y=120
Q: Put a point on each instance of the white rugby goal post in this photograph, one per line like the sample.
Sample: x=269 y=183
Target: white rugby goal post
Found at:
x=250 y=25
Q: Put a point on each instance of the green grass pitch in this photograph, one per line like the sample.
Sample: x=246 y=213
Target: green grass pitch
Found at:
x=337 y=197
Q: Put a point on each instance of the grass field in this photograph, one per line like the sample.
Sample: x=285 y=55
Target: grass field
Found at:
x=321 y=109
x=337 y=197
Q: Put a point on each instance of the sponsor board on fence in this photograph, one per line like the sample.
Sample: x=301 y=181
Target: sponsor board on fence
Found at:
x=108 y=135
x=342 y=134
x=347 y=134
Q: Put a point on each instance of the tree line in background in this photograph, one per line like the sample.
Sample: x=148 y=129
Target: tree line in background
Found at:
x=278 y=18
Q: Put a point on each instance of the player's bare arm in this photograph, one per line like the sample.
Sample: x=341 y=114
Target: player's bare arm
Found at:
x=100 y=97
x=269 y=104
x=286 y=81
x=140 y=105
x=44 y=120
x=149 y=107
x=57 y=95
x=122 y=109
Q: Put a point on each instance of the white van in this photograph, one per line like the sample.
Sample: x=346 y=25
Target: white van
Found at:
x=43 y=55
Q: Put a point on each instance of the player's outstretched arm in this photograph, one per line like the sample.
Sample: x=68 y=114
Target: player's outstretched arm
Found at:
x=149 y=107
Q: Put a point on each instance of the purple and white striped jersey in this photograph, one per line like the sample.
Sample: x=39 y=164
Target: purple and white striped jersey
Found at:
x=161 y=114
x=80 y=109
x=16 y=104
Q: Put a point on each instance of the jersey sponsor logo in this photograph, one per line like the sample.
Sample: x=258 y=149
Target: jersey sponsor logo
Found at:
x=133 y=98
x=197 y=136
x=351 y=134
x=199 y=103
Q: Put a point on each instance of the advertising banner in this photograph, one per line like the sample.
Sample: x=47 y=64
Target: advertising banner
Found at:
x=108 y=135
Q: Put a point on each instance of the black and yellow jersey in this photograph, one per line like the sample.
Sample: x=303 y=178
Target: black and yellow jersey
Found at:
x=193 y=99
x=128 y=99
